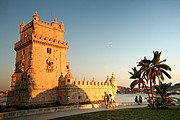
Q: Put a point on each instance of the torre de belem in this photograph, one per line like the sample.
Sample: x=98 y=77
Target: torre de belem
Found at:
x=42 y=73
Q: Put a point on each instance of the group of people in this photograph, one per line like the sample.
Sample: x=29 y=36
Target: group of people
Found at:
x=139 y=101
x=108 y=100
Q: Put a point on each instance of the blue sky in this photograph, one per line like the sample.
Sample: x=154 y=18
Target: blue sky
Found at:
x=105 y=36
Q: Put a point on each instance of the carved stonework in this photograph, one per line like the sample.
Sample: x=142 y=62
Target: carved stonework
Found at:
x=49 y=64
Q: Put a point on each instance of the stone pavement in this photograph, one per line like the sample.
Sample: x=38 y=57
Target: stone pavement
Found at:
x=70 y=112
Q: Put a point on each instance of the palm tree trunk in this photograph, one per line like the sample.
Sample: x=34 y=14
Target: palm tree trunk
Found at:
x=148 y=92
x=152 y=93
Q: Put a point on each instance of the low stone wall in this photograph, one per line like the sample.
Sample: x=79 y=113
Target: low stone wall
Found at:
x=130 y=103
x=19 y=113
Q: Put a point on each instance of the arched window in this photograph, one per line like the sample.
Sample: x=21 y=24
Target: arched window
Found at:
x=23 y=52
x=67 y=66
x=49 y=50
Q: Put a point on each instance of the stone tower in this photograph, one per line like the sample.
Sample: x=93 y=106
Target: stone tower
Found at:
x=40 y=60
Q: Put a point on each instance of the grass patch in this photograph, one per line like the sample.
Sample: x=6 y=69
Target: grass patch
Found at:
x=129 y=114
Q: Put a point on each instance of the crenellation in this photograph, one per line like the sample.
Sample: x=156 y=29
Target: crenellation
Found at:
x=27 y=26
x=52 y=42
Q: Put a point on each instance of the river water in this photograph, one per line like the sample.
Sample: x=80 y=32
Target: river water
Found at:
x=118 y=98
x=130 y=97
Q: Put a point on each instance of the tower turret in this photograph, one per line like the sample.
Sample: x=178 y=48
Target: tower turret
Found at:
x=113 y=80
x=62 y=26
x=55 y=23
x=61 y=80
x=107 y=80
x=35 y=17
x=69 y=78
x=21 y=27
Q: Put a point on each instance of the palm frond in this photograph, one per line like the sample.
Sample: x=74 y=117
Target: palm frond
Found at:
x=164 y=66
x=130 y=73
x=164 y=72
x=133 y=84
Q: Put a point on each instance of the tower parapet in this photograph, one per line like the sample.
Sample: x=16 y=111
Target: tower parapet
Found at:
x=45 y=33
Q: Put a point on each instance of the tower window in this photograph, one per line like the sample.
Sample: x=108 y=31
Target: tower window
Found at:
x=68 y=80
x=80 y=97
x=49 y=50
x=67 y=66
x=29 y=76
x=23 y=52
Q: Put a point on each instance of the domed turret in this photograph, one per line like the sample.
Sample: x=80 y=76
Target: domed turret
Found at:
x=35 y=17
x=62 y=26
x=113 y=80
x=107 y=80
x=69 y=78
x=55 y=23
x=61 y=80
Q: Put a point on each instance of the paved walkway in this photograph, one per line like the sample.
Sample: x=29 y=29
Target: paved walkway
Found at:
x=69 y=113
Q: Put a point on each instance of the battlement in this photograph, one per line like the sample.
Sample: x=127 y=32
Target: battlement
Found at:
x=50 y=41
x=90 y=83
x=42 y=32
x=75 y=91
x=43 y=40
x=63 y=81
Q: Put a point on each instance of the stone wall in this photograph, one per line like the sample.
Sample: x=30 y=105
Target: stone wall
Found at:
x=84 y=91
x=20 y=113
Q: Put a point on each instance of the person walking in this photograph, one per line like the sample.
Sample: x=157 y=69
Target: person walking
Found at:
x=140 y=99
x=111 y=101
x=136 y=100
x=106 y=99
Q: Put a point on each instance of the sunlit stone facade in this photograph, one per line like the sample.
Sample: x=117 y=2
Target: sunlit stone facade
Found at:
x=42 y=72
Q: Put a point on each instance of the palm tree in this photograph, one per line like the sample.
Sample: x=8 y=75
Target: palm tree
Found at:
x=150 y=70
x=161 y=89
x=154 y=69
x=136 y=74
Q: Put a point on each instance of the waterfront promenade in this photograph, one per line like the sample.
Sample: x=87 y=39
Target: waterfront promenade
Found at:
x=64 y=113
